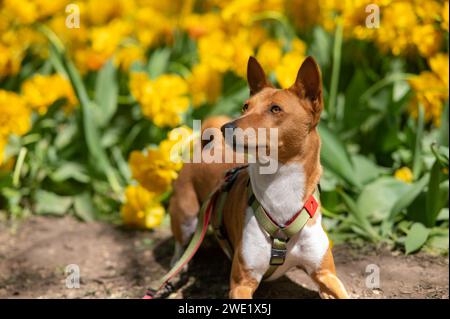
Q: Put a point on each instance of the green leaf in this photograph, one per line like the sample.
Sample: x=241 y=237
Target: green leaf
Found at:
x=84 y=208
x=320 y=47
x=377 y=198
x=408 y=197
x=360 y=217
x=66 y=135
x=159 y=62
x=50 y=203
x=444 y=130
x=365 y=169
x=353 y=111
x=433 y=201
x=106 y=92
x=417 y=159
x=416 y=238
x=91 y=131
x=437 y=243
x=230 y=104
x=70 y=170
x=334 y=156
x=443 y=214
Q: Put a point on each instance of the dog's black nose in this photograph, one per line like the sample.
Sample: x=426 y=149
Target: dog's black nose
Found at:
x=230 y=125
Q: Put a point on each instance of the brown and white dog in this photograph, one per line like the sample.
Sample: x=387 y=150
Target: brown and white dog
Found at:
x=295 y=112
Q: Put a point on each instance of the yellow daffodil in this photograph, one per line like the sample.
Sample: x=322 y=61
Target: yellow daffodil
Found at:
x=205 y=84
x=427 y=38
x=141 y=208
x=162 y=100
x=15 y=116
x=404 y=174
x=128 y=55
x=439 y=64
x=269 y=55
x=157 y=167
x=286 y=71
x=444 y=16
x=430 y=93
x=41 y=91
x=2 y=150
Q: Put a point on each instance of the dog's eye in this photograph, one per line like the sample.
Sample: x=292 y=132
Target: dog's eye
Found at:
x=275 y=109
x=245 y=107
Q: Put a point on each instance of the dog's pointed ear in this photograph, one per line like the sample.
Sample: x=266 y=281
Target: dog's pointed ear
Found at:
x=256 y=77
x=308 y=85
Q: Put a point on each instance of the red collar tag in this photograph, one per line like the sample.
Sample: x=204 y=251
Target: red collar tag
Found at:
x=311 y=206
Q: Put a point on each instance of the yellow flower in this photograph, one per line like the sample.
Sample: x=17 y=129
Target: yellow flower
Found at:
x=404 y=174
x=430 y=92
x=10 y=60
x=205 y=85
x=24 y=11
x=15 y=116
x=153 y=170
x=141 y=208
x=444 y=16
x=41 y=91
x=269 y=55
x=156 y=168
x=126 y=56
x=2 y=150
x=395 y=27
x=439 y=65
x=216 y=51
x=162 y=100
x=308 y=16
x=239 y=13
x=286 y=71
x=428 y=10
x=199 y=25
x=152 y=26
x=242 y=50
x=101 y=12
x=427 y=39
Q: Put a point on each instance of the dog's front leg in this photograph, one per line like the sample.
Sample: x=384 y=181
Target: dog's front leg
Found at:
x=330 y=287
x=242 y=282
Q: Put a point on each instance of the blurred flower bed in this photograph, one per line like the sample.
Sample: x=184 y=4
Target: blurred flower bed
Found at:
x=88 y=115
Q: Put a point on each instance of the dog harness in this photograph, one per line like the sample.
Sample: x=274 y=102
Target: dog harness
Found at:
x=212 y=209
x=279 y=234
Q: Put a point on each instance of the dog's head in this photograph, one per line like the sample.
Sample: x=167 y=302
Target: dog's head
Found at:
x=294 y=112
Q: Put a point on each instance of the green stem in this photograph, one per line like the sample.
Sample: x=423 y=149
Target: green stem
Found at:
x=391 y=78
x=18 y=167
x=337 y=50
x=417 y=160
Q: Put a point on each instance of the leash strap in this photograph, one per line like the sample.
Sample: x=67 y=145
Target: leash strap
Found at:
x=194 y=244
x=217 y=197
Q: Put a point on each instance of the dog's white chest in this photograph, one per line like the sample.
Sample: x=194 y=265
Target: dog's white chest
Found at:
x=306 y=249
x=281 y=194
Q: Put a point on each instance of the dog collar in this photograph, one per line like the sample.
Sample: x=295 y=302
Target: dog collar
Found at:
x=280 y=234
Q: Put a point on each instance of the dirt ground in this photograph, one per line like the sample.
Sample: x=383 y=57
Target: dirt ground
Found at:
x=119 y=263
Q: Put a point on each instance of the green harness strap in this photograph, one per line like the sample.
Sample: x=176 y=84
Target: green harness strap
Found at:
x=280 y=234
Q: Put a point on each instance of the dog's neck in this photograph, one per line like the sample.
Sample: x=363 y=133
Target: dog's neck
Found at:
x=284 y=192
